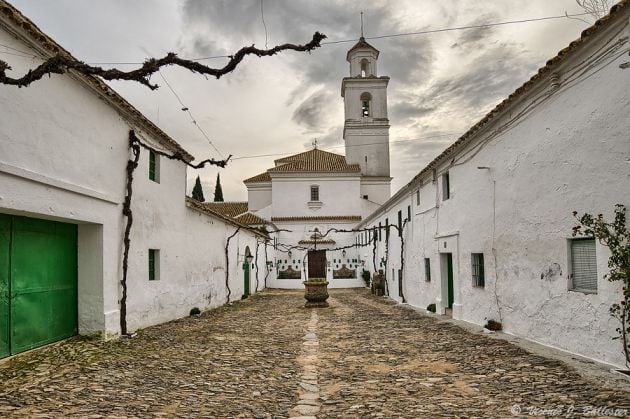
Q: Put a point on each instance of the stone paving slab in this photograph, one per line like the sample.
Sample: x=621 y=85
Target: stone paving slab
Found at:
x=379 y=359
x=372 y=359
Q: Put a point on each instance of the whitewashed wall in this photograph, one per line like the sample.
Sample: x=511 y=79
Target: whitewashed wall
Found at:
x=302 y=231
x=570 y=153
x=63 y=154
x=339 y=194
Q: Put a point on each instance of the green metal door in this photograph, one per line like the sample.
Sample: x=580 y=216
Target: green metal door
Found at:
x=449 y=270
x=42 y=280
x=5 y=246
x=246 y=287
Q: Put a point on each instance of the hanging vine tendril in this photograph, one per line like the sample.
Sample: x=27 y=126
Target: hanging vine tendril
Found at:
x=60 y=64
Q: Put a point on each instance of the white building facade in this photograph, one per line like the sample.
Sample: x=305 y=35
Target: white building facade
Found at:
x=64 y=154
x=487 y=226
x=313 y=200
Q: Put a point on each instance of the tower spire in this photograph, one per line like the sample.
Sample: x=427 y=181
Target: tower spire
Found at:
x=361 y=24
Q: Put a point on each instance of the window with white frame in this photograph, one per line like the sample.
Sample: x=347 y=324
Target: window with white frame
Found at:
x=314 y=193
x=478 y=270
x=583 y=265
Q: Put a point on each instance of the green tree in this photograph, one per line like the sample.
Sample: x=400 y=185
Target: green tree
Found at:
x=197 y=192
x=616 y=237
x=218 y=192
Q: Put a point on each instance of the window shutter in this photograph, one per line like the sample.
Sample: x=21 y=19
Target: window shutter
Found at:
x=584 y=264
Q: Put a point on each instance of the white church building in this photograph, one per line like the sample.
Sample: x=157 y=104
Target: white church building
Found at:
x=306 y=198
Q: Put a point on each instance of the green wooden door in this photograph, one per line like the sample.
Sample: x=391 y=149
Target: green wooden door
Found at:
x=5 y=290
x=246 y=279
x=42 y=278
x=449 y=270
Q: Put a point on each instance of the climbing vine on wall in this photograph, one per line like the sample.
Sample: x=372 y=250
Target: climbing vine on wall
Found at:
x=616 y=237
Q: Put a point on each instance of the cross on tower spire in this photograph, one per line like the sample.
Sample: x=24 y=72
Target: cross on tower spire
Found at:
x=362 y=24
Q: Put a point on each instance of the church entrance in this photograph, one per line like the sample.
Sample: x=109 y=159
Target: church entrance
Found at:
x=316 y=264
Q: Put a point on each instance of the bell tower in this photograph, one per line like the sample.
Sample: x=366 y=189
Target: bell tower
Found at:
x=366 y=126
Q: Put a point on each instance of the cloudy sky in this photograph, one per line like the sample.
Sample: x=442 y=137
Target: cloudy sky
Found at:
x=441 y=84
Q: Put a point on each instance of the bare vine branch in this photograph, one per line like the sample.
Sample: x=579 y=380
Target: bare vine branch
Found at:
x=60 y=64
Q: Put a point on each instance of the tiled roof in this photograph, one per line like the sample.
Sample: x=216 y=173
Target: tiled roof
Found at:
x=617 y=10
x=229 y=209
x=322 y=242
x=262 y=177
x=361 y=44
x=251 y=219
x=199 y=206
x=315 y=161
x=50 y=48
x=320 y=218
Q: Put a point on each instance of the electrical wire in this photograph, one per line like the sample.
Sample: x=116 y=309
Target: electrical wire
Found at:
x=192 y=118
x=262 y=17
x=394 y=35
x=344 y=146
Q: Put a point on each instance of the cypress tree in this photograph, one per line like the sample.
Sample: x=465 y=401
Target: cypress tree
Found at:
x=197 y=192
x=218 y=192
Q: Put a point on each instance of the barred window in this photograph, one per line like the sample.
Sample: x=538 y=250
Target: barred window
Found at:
x=478 y=270
x=314 y=193
x=583 y=265
x=427 y=269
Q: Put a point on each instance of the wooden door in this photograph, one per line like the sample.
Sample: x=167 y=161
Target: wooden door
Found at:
x=317 y=264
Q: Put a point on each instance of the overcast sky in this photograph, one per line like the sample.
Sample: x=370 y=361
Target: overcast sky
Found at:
x=441 y=84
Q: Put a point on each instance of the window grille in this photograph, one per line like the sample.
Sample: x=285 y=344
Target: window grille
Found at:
x=583 y=265
x=314 y=193
x=478 y=270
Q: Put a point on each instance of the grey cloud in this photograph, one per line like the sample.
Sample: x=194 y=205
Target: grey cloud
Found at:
x=311 y=112
x=404 y=111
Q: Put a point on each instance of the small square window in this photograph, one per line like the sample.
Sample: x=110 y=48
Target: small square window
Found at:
x=154 y=264
x=154 y=166
x=314 y=193
x=583 y=265
x=446 y=186
x=478 y=270
x=427 y=269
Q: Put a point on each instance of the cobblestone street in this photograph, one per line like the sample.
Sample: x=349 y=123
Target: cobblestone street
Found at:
x=270 y=357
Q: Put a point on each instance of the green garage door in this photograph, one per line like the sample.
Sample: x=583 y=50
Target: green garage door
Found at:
x=38 y=282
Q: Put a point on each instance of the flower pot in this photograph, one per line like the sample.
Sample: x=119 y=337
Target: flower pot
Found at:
x=316 y=293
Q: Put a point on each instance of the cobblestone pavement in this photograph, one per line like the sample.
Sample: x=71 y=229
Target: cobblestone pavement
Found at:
x=269 y=357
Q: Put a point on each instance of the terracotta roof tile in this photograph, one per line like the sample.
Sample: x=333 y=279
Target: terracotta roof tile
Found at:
x=315 y=161
x=199 y=206
x=547 y=68
x=322 y=242
x=51 y=48
x=622 y=7
x=228 y=209
x=262 y=177
x=319 y=218
x=361 y=44
x=251 y=219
